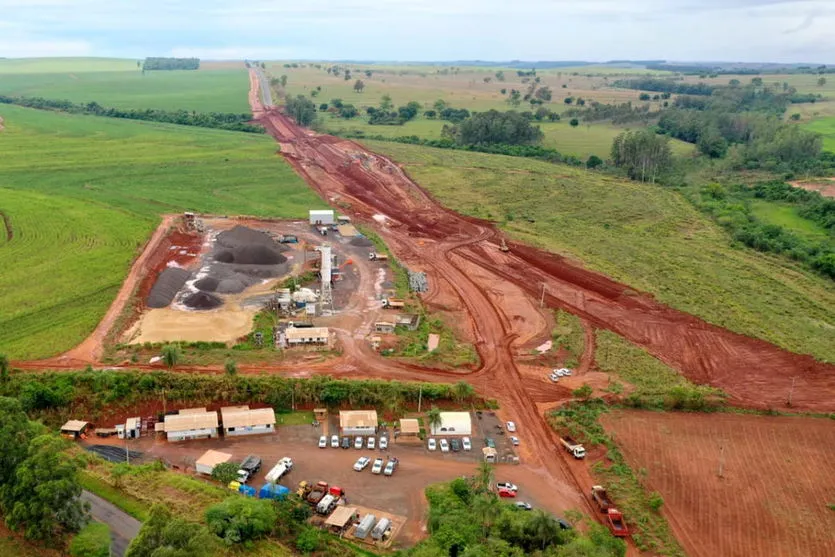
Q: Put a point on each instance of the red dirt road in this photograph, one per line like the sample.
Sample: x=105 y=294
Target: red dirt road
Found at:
x=428 y=237
x=777 y=480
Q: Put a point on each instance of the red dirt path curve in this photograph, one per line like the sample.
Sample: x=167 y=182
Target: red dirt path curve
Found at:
x=428 y=237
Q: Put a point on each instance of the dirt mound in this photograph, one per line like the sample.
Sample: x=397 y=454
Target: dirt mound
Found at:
x=207 y=284
x=202 y=300
x=361 y=241
x=166 y=287
x=245 y=236
x=251 y=255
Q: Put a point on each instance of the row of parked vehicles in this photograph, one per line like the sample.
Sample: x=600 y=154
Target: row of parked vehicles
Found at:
x=557 y=373
x=377 y=468
x=453 y=444
x=358 y=443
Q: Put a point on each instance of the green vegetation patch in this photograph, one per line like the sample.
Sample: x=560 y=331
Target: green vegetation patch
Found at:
x=450 y=352
x=202 y=91
x=98 y=483
x=643 y=235
x=656 y=385
x=83 y=193
x=92 y=541
x=568 y=335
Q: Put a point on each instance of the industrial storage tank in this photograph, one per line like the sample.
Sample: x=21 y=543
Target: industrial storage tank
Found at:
x=365 y=526
x=380 y=530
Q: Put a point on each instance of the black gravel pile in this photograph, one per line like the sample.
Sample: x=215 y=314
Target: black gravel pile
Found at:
x=202 y=300
x=361 y=241
x=168 y=283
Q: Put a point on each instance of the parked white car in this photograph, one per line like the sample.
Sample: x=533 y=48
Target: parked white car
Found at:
x=431 y=444
x=554 y=377
x=372 y=443
x=511 y=427
x=507 y=485
x=378 y=466
x=362 y=463
x=444 y=446
x=384 y=443
x=514 y=440
x=323 y=442
x=334 y=441
x=465 y=442
x=358 y=443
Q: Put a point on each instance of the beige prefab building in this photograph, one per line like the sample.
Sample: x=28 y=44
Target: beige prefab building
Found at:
x=384 y=327
x=358 y=422
x=409 y=427
x=342 y=518
x=307 y=335
x=191 y=423
x=74 y=429
x=206 y=463
x=241 y=420
x=454 y=423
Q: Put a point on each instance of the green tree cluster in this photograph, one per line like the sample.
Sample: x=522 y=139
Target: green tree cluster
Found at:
x=241 y=519
x=171 y=63
x=642 y=154
x=508 y=128
x=301 y=109
x=164 y=535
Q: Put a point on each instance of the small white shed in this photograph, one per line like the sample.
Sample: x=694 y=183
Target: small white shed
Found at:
x=206 y=463
x=322 y=217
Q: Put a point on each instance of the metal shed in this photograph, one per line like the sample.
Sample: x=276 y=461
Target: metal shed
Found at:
x=191 y=423
x=74 y=429
x=380 y=529
x=241 y=420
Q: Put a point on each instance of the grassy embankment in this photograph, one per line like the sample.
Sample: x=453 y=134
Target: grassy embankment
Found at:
x=120 y=84
x=568 y=337
x=643 y=235
x=84 y=193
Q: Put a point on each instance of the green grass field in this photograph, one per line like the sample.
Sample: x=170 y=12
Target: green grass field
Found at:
x=83 y=194
x=825 y=127
x=202 y=91
x=643 y=235
x=56 y=65
x=786 y=216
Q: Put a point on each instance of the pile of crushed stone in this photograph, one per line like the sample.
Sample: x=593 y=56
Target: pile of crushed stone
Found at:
x=168 y=283
x=202 y=300
x=361 y=241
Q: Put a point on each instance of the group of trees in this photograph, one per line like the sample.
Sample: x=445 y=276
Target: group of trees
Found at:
x=467 y=518
x=748 y=117
x=642 y=154
x=508 y=128
x=664 y=86
x=171 y=64
x=39 y=489
x=617 y=113
x=220 y=120
x=301 y=109
x=166 y=534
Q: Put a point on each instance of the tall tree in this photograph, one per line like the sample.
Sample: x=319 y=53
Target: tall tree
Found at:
x=543 y=528
x=4 y=367
x=46 y=492
x=16 y=431
x=170 y=355
x=385 y=102
x=463 y=391
x=240 y=519
x=434 y=417
x=484 y=476
x=359 y=86
x=164 y=535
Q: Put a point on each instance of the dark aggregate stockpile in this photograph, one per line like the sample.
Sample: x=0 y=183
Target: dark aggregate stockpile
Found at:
x=202 y=300
x=361 y=241
x=168 y=283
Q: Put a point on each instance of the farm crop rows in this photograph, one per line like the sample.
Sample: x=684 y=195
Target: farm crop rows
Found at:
x=642 y=235
x=774 y=490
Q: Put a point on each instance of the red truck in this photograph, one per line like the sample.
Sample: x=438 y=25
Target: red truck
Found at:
x=599 y=495
x=616 y=523
x=317 y=493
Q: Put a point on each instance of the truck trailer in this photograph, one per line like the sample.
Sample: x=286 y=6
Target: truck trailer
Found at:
x=249 y=467
x=284 y=465
x=573 y=447
x=601 y=498
x=615 y=522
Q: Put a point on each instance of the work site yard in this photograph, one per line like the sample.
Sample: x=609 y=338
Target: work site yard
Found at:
x=736 y=485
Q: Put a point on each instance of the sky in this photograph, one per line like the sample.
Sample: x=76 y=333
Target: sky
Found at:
x=424 y=30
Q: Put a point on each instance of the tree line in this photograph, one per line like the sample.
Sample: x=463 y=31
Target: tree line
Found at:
x=664 y=86
x=219 y=120
x=171 y=64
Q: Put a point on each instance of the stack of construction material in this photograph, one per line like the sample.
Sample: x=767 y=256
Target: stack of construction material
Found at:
x=417 y=282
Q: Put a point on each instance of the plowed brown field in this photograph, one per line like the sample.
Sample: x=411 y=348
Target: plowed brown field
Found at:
x=778 y=478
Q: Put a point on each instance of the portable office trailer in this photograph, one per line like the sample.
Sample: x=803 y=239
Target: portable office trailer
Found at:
x=322 y=217
x=241 y=420
x=365 y=526
x=191 y=423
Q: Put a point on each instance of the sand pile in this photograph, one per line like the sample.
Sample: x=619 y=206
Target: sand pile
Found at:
x=168 y=283
x=361 y=241
x=202 y=300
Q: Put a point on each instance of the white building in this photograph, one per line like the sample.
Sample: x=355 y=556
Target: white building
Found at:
x=241 y=420
x=191 y=423
x=131 y=429
x=454 y=423
x=206 y=463
x=307 y=335
x=358 y=422
x=322 y=217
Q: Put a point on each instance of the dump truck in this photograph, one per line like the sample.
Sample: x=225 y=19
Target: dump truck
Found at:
x=248 y=468
x=573 y=447
x=284 y=465
x=393 y=303
x=601 y=498
x=317 y=492
x=288 y=239
x=303 y=489
x=615 y=522
x=374 y=256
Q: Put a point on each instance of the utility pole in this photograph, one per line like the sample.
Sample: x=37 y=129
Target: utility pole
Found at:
x=791 y=392
x=420 y=397
x=722 y=461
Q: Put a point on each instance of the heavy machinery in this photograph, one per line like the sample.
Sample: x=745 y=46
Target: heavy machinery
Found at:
x=573 y=447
